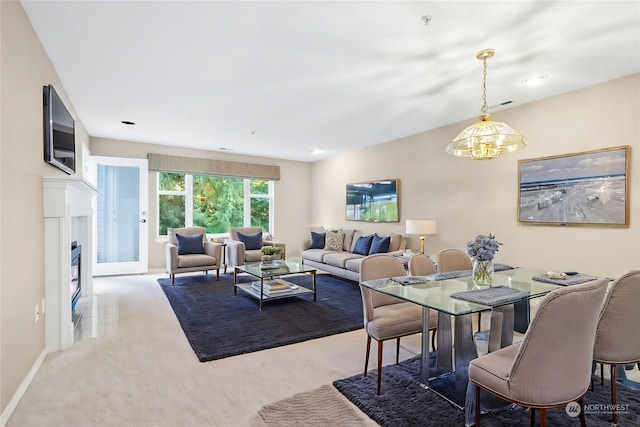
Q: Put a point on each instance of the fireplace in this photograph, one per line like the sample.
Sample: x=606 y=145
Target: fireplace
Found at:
x=76 y=274
x=68 y=215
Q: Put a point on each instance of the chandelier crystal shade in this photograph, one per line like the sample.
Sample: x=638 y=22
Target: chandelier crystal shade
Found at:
x=486 y=139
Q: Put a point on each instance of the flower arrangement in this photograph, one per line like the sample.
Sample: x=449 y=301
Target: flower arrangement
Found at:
x=483 y=248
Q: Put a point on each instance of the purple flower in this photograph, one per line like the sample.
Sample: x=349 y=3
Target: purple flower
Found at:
x=483 y=248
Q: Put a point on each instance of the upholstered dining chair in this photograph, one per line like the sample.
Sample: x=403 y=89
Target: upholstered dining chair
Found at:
x=551 y=366
x=618 y=334
x=386 y=317
x=453 y=260
x=188 y=251
x=421 y=265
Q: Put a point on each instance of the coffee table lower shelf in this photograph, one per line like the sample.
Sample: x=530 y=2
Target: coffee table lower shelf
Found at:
x=294 y=292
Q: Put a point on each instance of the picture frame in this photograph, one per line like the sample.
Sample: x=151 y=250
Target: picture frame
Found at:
x=589 y=188
x=373 y=201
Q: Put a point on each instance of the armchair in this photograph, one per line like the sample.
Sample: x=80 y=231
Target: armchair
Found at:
x=245 y=244
x=188 y=251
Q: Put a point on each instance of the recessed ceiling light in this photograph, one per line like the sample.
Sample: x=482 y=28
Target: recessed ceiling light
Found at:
x=316 y=151
x=128 y=123
x=535 y=80
x=426 y=19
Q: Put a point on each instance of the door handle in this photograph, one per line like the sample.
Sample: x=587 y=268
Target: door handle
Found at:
x=143 y=221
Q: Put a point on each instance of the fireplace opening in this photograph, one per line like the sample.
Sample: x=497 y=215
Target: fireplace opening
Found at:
x=76 y=274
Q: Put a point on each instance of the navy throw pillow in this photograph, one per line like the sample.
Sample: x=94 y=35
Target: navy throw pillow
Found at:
x=190 y=244
x=363 y=244
x=251 y=241
x=380 y=245
x=317 y=240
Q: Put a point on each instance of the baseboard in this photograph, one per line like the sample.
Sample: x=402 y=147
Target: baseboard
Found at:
x=13 y=403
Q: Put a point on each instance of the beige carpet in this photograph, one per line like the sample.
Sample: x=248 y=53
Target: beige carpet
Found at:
x=321 y=407
x=137 y=369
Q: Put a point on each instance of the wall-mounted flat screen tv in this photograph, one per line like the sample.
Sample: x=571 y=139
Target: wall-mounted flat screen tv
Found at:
x=375 y=201
x=59 y=132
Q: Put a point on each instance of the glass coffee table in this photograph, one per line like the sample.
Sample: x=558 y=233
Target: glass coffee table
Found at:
x=270 y=284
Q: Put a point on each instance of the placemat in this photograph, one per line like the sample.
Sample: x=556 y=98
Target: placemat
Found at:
x=410 y=280
x=494 y=295
x=569 y=280
x=463 y=273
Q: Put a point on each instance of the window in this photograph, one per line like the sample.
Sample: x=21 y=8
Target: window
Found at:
x=214 y=202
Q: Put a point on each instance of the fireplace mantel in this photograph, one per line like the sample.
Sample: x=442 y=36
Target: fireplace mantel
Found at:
x=68 y=216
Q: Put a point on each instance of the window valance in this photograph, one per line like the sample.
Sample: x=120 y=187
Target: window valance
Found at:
x=177 y=164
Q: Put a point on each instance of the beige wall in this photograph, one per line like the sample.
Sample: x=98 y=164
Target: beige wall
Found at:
x=471 y=197
x=291 y=191
x=25 y=70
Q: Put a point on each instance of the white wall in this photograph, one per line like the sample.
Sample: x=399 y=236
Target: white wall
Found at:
x=478 y=197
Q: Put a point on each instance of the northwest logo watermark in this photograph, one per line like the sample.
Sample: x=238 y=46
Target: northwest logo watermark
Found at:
x=573 y=408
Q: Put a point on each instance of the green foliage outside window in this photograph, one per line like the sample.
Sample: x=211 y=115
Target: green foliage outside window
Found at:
x=218 y=202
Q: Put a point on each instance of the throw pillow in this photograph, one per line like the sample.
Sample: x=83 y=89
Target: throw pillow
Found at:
x=190 y=244
x=363 y=244
x=380 y=245
x=334 y=240
x=251 y=241
x=317 y=240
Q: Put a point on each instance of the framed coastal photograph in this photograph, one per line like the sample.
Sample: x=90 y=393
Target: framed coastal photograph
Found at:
x=579 y=189
x=374 y=201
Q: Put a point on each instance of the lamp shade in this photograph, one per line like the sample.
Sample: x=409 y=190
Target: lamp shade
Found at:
x=421 y=226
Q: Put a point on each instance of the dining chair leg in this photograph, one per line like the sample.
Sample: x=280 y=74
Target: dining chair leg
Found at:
x=379 y=364
x=543 y=417
x=397 y=350
x=533 y=417
x=613 y=394
x=583 y=418
x=366 y=355
x=602 y=374
x=433 y=339
x=477 y=405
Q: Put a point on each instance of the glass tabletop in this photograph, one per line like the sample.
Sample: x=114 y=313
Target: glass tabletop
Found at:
x=436 y=294
x=279 y=268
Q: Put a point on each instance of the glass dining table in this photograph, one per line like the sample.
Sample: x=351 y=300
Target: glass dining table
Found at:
x=453 y=354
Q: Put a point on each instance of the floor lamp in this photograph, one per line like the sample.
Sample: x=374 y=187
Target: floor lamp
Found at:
x=421 y=227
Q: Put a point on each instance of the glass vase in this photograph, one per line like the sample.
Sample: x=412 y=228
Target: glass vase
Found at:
x=483 y=272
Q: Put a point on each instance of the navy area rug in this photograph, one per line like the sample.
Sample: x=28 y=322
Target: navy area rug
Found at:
x=403 y=402
x=219 y=324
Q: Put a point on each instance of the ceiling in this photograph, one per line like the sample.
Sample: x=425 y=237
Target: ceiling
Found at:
x=284 y=78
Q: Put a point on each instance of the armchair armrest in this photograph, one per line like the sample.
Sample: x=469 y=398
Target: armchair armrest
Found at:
x=214 y=250
x=172 y=257
x=235 y=253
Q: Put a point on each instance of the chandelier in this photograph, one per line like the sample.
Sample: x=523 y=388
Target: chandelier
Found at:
x=486 y=139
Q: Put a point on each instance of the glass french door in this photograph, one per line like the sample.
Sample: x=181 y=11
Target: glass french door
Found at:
x=120 y=216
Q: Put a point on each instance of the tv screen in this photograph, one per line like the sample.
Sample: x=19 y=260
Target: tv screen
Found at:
x=59 y=132
x=375 y=201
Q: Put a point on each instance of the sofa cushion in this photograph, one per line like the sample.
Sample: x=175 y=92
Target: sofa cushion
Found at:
x=348 y=239
x=317 y=240
x=316 y=255
x=193 y=244
x=339 y=259
x=353 y=264
x=379 y=245
x=334 y=240
x=395 y=243
x=363 y=244
x=251 y=241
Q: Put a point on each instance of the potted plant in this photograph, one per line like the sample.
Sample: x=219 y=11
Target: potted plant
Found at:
x=269 y=253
